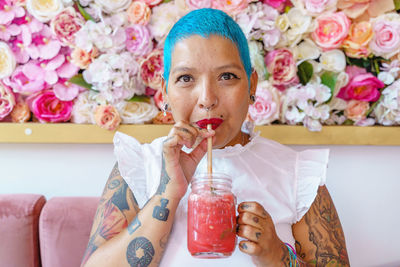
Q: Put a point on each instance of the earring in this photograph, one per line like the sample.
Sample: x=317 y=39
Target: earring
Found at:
x=164 y=109
x=253 y=98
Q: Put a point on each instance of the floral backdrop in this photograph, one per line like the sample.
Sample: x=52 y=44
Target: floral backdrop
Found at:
x=319 y=62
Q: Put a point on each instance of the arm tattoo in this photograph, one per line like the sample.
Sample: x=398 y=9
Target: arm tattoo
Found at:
x=183 y=129
x=161 y=212
x=140 y=252
x=286 y=260
x=164 y=179
x=135 y=224
x=325 y=232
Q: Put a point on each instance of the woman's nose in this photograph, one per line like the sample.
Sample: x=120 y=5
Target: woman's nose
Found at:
x=207 y=99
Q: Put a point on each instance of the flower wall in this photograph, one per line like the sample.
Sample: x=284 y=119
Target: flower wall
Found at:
x=319 y=62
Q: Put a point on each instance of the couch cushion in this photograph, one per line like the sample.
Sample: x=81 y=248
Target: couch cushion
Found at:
x=64 y=226
x=19 y=239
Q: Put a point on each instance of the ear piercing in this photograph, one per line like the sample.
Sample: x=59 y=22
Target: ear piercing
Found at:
x=164 y=109
x=253 y=98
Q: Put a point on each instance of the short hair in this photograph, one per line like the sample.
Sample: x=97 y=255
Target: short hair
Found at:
x=206 y=22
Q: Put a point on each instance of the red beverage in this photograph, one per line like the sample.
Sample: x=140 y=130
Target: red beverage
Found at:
x=211 y=218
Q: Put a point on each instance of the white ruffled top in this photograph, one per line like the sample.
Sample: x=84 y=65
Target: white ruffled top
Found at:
x=284 y=181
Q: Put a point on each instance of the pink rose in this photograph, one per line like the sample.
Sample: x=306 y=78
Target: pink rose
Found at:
x=21 y=113
x=66 y=24
x=196 y=4
x=362 y=86
x=386 y=39
x=332 y=29
x=282 y=67
x=266 y=108
x=356 y=110
x=152 y=3
x=139 y=13
x=232 y=7
x=7 y=100
x=48 y=108
x=151 y=69
x=138 y=40
x=107 y=117
x=277 y=4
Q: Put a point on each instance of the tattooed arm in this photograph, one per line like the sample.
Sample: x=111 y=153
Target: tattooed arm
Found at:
x=123 y=235
x=319 y=234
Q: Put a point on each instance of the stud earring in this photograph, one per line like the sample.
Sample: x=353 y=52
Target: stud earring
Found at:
x=253 y=98
x=164 y=109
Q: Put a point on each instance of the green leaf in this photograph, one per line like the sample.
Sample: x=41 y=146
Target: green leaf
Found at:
x=84 y=14
x=140 y=98
x=329 y=79
x=397 y=4
x=78 y=80
x=305 y=71
x=348 y=122
x=166 y=1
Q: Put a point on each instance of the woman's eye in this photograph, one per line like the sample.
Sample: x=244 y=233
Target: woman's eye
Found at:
x=184 y=78
x=228 y=76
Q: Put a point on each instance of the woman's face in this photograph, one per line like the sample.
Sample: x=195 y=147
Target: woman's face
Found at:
x=208 y=84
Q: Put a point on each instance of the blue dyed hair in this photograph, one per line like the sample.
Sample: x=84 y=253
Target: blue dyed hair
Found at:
x=206 y=22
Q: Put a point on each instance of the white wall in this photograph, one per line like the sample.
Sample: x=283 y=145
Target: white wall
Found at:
x=364 y=183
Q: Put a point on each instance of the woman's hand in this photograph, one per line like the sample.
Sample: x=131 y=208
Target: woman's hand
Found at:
x=178 y=167
x=262 y=243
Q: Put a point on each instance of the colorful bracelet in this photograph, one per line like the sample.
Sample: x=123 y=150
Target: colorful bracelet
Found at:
x=293 y=256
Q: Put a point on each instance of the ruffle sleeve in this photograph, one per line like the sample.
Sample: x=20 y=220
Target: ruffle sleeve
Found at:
x=131 y=164
x=311 y=166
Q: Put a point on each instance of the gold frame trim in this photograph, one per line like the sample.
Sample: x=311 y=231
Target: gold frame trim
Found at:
x=64 y=133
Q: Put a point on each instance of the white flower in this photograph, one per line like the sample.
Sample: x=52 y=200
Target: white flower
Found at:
x=386 y=77
x=83 y=109
x=312 y=125
x=282 y=22
x=115 y=76
x=102 y=35
x=136 y=112
x=44 y=10
x=163 y=18
x=387 y=112
x=307 y=50
x=299 y=22
x=257 y=59
x=7 y=61
x=113 y=6
x=333 y=60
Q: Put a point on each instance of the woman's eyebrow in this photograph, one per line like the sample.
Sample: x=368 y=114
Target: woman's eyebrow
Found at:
x=229 y=66
x=182 y=69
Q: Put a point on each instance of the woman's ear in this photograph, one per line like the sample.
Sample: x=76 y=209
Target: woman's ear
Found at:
x=253 y=82
x=164 y=89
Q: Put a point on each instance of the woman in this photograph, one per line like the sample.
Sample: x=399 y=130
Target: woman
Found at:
x=208 y=79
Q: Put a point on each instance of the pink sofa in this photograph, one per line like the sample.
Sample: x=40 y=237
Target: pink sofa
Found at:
x=37 y=233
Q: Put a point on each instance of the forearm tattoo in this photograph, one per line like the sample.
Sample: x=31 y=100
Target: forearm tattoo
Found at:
x=164 y=179
x=325 y=232
x=134 y=225
x=111 y=215
x=140 y=252
x=161 y=212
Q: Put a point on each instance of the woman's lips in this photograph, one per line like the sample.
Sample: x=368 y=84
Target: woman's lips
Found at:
x=215 y=122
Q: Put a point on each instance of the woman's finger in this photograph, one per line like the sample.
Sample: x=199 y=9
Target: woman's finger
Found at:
x=253 y=207
x=251 y=219
x=250 y=248
x=249 y=232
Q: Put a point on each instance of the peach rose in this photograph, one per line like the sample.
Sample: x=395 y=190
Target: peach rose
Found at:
x=356 y=43
x=161 y=119
x=82 y=59
x=152 y=68
x=21 y=112
x=331 y=30
x=7 y=100
x=232 y=7
x=355 y=8
x=139 y=13
x=356 y=110
x=107 y=117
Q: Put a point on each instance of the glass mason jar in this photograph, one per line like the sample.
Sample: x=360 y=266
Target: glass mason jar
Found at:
x=211 y=216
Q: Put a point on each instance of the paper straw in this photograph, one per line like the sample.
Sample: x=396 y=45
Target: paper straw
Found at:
x=209 y=152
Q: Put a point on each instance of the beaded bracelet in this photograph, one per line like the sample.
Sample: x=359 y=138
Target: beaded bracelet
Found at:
x=293 y=256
